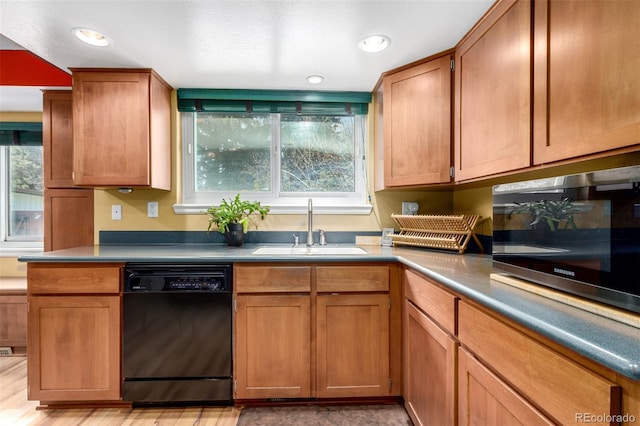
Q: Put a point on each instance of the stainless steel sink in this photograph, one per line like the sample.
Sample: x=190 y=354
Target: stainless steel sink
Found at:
x=321 y=250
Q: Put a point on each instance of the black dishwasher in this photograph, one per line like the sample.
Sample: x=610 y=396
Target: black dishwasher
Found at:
x=176 y=334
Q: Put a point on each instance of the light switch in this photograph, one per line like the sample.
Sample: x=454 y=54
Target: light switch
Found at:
x=116 y=212
x=152 y=209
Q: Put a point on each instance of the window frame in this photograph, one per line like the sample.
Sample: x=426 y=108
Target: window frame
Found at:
x=10 y=246
x=357 y=202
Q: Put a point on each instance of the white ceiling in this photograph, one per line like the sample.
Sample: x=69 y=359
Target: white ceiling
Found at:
x=241 y=44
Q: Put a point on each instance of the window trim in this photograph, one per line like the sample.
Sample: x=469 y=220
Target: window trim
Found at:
x=332 y=203
x=11 y=246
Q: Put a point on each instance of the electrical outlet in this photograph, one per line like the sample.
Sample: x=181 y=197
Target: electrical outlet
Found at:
x=152 y=209
x=409 y=208
x=116 y=212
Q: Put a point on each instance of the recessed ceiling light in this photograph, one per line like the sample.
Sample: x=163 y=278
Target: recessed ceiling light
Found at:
x=315 y=79
x=374 y=43
x=91 y=37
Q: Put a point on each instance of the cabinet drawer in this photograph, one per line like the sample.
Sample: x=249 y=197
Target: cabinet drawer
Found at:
x=272 y=279
x=352 y=278
x=67 y=279
x=559 y=386
x=436 y=302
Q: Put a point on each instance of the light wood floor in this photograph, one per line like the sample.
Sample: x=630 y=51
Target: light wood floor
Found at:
x=15 y=410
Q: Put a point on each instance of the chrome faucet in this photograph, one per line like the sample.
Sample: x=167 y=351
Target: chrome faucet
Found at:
x=310 y=224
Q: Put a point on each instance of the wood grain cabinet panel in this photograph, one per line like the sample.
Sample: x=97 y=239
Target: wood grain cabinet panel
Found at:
x=13 y=318
x=536 y=371
x=352 y=278
x=74 y=332
x=273 y=346
x=68 y=218
x=417 y=124
x=352 y=345
x=272 y=279
x=438 y=303
x=484 y=399
x=586 y=87
x=492 y=112
x=57 y=138
x=429 y=370
x=121 y=128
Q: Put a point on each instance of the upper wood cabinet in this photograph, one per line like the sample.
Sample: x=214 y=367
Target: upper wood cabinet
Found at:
x=57 y=138
x=586 y=85
x=121 y=128
x=492 y=112
x=417 y=124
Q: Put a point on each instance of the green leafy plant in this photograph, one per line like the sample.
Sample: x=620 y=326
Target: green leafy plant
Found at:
x=234 y=211
x=553 y=213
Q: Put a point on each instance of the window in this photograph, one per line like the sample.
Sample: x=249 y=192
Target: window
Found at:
x=21 y=196
x=278 y=147
x=280 y=159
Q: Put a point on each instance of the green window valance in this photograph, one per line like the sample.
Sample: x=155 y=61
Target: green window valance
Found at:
x=20 y=133
x=272 y=101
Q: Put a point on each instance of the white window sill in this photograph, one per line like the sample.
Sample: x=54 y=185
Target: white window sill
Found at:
x=17 y=250
x=350 y=209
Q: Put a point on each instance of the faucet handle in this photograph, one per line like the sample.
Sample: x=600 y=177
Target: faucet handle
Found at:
x=323 y=237
x=296 y=240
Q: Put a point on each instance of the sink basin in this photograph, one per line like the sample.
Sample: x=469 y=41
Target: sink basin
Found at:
x=310 y=250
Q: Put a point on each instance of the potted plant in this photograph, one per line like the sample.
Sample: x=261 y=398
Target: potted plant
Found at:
x=232 y=218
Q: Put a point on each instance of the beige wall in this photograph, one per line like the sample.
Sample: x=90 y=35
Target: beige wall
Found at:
x=134 y=205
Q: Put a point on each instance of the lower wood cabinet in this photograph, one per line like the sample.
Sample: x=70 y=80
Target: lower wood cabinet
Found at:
x=560 y=387
x=312 y=331
x=429 y=359
x=273 y=346
x=484 y=399
x=73 y=332
x=13 y=318
x=352 y=341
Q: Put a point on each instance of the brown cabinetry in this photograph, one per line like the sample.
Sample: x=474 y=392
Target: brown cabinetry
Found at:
x=74 y=332
x=121 y=128
x=13 y=318
x=352 y=329
x=68 y=210
x=417 y=124
x=492 y=112
x=487 y=400
x=311 y=331
x=533 y=370
x=429 y=352
x=586 y=87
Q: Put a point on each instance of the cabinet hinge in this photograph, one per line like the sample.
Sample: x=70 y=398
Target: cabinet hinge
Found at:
x=389 y=383
x=235 y=305
x=453 y=65
x=452 y=172
x=235 y=387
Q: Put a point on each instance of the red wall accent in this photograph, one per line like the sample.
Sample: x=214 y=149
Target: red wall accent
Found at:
x=23 y=68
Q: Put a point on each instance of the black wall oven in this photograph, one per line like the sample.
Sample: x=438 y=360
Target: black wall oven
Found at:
x=176 y=336
x=577 y=233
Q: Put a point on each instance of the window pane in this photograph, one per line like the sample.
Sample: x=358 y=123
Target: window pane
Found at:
x=25 y=193
x=317 y=154
x=232 y=152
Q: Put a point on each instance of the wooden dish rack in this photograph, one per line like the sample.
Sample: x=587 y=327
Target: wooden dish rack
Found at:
x=449 y=232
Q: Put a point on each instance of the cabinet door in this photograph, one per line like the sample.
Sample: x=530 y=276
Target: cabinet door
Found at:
x=57 y=139
x=586 y=88
x=429 y=370
x=352 y=345
x=492 y=113
x=111 y=128
x=273 y=346
x=417 y=124
x=486 y=400
x=68 y=218
x=74 y=348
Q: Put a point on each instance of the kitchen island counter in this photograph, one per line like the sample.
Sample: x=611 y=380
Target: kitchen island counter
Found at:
x=608 y=342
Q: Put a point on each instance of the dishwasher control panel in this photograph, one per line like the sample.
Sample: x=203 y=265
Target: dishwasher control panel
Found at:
x=177 y=279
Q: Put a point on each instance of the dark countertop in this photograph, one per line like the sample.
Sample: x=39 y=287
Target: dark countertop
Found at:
x=608 y=342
